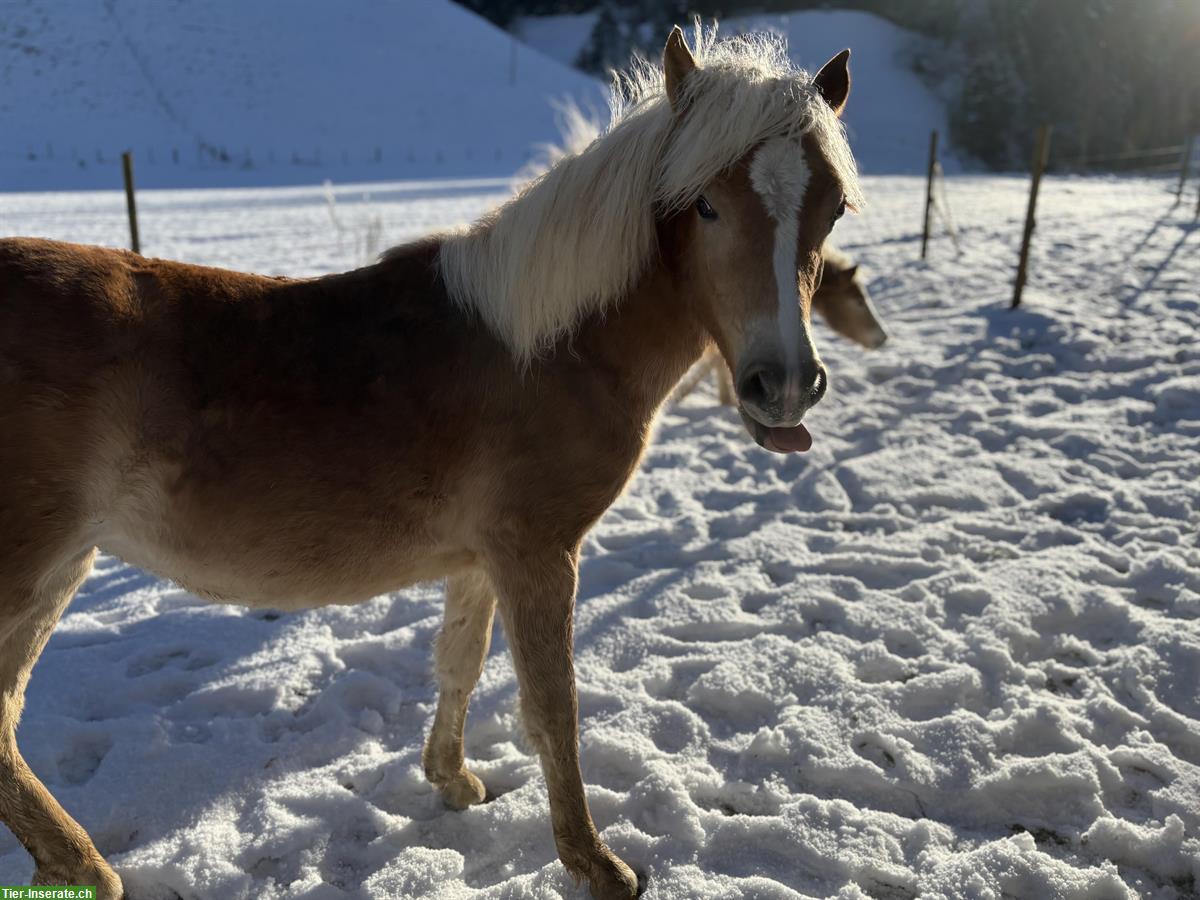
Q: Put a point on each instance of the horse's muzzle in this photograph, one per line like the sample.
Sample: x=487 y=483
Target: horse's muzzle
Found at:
x=777 y=398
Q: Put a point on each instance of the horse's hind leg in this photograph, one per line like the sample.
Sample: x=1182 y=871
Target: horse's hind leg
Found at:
x=461 y=650
x=63 y=852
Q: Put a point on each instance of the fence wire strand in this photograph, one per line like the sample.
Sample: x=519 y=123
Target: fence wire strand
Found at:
x=1146 y=199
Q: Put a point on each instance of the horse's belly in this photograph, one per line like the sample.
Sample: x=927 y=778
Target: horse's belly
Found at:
x=282 y=563
x=267 y=515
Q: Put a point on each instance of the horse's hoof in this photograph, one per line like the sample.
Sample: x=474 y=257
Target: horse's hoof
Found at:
x=613 y=880
x=107 y=882
x=463 y=790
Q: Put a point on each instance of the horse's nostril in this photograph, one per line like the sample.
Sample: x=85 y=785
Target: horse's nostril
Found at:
x=761 y=386
x=820 y=384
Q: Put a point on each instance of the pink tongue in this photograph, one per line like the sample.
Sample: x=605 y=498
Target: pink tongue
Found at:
x=788 y=440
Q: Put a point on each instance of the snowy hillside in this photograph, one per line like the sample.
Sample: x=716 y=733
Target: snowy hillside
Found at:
x=951 y=652
x=266 y=92
x=891 y=112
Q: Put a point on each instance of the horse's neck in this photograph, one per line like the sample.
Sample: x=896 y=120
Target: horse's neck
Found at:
x=645 y=343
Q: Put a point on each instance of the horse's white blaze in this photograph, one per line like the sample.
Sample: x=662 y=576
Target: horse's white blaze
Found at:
x=788 y=296
x=779 y=175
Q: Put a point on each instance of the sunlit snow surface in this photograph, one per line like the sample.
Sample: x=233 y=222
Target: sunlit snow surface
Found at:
x=953 y=651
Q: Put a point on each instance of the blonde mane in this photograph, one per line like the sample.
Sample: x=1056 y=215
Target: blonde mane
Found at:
x=576 y=239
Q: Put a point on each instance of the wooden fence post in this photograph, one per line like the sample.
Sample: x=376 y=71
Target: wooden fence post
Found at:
x=1040 y=155
x=1185 y=167
x=127 y=165
x=933 y=144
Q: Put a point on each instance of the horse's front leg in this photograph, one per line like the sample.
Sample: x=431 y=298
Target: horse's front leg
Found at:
x=461 y=650
x=537 y=600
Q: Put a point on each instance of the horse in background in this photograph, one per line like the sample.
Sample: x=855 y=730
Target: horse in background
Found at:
x=466 y=408
x=843 y=302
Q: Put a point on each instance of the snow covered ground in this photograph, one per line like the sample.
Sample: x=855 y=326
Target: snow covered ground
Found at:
x=278 y=92
x=953 y=651
x=228 y=92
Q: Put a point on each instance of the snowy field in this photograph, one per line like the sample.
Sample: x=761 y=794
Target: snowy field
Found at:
x=953 y=651
x=417 y=88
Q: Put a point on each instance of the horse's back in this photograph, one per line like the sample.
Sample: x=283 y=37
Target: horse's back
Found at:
x=58 y=304
x=91 y=356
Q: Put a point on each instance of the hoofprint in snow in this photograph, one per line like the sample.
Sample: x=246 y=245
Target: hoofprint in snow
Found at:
x=952 y=651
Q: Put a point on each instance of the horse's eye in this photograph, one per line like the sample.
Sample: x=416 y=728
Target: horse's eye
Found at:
x=841 y=211
x=705 y=210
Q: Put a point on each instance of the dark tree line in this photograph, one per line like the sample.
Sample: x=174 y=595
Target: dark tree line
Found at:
x=1111 y=76
x=502 y=12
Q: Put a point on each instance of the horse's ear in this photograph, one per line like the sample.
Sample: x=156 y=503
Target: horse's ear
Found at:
x=678 y=63
x=833 y=81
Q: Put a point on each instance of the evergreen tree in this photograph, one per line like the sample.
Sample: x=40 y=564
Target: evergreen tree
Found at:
x=1111 y=76
x=625 y=27
x=608 y=46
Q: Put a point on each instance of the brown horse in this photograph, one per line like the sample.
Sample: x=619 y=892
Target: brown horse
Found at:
x=843 y=302
x=464 y=409
x=840 y=299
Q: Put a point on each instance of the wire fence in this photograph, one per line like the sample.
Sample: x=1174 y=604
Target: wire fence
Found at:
x=961 y=213
x=1145 y=186
x=208 y=157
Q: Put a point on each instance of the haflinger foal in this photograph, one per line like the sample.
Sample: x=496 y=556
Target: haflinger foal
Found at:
x=843 y=302
x=464 y=409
